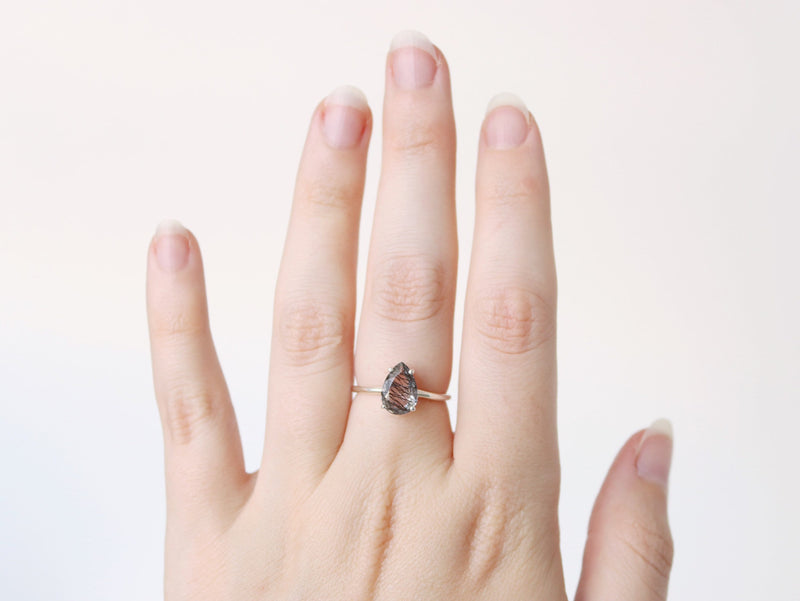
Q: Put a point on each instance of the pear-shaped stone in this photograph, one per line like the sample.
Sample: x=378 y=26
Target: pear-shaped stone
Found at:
x=399 y=392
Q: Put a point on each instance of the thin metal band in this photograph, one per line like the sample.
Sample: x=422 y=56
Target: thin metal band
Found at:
x=423 y=394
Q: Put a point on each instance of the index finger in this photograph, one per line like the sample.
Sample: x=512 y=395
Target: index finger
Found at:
x=507 y=390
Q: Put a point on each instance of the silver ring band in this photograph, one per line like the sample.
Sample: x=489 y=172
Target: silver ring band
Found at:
x=399 y=393
x=423 y=394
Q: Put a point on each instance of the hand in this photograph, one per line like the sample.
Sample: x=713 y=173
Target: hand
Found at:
x=353 y=502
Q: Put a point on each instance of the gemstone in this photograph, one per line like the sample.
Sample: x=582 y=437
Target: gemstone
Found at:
x=399 y=392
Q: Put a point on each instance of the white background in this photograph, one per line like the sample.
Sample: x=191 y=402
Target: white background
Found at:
x=672 y=136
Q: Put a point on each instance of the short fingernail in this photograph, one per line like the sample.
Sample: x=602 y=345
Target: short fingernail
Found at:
x=507 y=121
x=345 y=116
x=654 y=455
x=172 y=245
x=413 y=60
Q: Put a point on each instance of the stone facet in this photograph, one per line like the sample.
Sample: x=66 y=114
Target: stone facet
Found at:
x=399 y=392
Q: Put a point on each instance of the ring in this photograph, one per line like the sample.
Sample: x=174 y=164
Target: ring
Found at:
x=399 y=392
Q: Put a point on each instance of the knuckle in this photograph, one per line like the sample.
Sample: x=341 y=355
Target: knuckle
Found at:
x=513 y=320
x=512 y=192
x=498 y=524
x=187 y=409
x=409 y=289
x=312 y=333
x=653 y=546
x=327 y=193
x=179 y=325
x=417 y=137
x=375 y=509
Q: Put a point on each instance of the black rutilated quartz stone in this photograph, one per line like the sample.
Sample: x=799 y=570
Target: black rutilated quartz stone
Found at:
x=399 y=392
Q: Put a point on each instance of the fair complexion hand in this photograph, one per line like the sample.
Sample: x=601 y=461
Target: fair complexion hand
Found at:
x=352 y=502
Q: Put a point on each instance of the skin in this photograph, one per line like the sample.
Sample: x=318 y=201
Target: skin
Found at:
x=354 y=503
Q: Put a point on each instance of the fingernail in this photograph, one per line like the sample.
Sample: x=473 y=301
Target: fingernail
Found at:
x=507 y=121
x=345 y=115
x=413 y=60
x=172 y=245
x=654 y=455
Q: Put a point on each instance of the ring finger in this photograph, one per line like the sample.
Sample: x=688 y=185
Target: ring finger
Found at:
x=407 y=313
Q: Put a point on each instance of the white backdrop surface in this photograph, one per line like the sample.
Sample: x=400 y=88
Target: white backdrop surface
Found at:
x=672 y=135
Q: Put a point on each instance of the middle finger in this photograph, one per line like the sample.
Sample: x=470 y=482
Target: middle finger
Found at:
x=411 y=273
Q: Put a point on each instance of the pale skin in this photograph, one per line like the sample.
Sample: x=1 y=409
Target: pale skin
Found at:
x=354 y=503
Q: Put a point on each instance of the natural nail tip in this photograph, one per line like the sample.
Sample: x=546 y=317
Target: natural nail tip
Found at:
x=347 y=95
x=660 y=426
x=411 y=37
x=171 y=245
x=654 y=454
x=170 y=226
x=507 y=99
x=507 y=128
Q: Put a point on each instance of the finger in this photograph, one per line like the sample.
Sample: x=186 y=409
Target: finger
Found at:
x=506 y=415
x=407 y=313
x=203 y=453
x=311 y=362
x=629 y=550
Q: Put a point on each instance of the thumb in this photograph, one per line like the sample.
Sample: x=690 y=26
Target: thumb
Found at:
x=628 y=553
